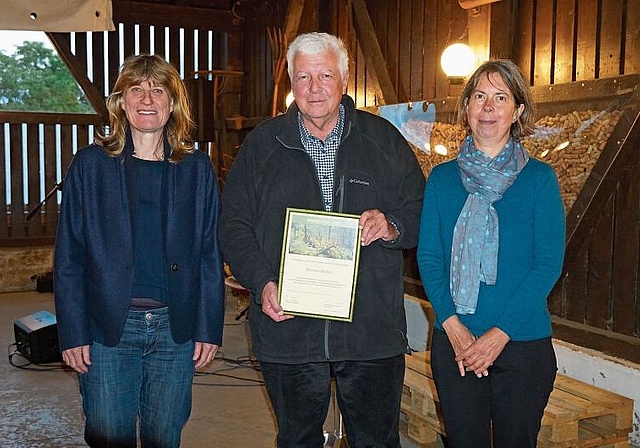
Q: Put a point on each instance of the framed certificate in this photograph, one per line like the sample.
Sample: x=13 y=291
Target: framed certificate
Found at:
x=319 y=264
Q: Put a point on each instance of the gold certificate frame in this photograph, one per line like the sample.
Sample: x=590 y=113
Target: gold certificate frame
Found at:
x=319 y=264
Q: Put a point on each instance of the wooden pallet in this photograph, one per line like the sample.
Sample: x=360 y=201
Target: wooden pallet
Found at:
x=431 y=439
x=420 y=400
x=578 y=415
x=582 y=415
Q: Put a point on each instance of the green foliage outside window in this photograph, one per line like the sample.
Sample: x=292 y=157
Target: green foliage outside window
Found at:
x=35 y=79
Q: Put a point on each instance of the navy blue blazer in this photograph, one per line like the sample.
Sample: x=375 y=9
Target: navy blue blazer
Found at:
x=93 y=261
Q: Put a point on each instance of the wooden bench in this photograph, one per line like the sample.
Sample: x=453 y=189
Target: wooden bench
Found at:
x=578 y=415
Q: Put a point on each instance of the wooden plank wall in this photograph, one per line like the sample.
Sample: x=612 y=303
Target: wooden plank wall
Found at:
x=412 y=34
x=553 y=42
x=50 y=140
x=598 y=293
x=597 y=301
x=576 y=40
x=258 y=64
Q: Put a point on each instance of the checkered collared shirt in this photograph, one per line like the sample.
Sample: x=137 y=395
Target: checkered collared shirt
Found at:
x=323 y=155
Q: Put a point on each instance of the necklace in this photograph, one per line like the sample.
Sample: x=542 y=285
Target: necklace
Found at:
x=155 y=156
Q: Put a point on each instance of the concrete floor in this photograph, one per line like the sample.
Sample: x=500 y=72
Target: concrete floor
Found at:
x=41 y=407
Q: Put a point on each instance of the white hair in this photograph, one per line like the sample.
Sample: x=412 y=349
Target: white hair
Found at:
x=315 y=43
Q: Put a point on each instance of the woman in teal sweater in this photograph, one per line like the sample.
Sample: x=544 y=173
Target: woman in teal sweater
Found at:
x=490 y=250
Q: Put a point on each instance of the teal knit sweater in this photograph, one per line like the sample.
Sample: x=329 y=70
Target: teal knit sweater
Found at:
x=530 y=254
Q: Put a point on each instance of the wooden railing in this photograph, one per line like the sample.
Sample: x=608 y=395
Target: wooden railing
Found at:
x=37 y=149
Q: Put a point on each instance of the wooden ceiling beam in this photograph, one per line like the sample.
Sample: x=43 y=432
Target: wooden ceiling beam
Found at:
x=292 y=19
x=376 y=63
x=62 y=45
x=174 y=16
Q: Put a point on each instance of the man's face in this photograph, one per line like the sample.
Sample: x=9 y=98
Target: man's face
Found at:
x=318 y=86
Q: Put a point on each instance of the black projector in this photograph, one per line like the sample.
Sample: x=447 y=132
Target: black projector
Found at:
x=37 y=337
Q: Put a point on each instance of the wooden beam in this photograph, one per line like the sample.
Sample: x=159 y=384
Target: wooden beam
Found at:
x=62 y=44
x=376 y=64
x=280 y=43
x=608 y=342
x=292 y=19
x=479 y=26
x=141 y=13
x=49 y=118
x=27 y=241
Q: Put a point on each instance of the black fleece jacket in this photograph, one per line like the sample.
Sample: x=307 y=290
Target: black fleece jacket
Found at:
x=375 y=169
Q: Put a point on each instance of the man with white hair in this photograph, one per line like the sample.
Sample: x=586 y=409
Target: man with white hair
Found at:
x=325 y=155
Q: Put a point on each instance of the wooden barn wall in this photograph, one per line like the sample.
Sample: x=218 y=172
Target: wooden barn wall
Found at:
x=412 y=34
x=553 y=41
x=575 y=40
x=21 y=135
x=597 y=302
x=47 y=141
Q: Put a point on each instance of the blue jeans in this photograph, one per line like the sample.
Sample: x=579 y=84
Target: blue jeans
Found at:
x=368 y=394
x=146 y=377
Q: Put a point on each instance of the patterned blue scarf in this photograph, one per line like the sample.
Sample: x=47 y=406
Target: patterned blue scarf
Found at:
x=474 y=250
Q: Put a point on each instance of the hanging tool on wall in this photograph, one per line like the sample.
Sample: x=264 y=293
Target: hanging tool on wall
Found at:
x=278 y=42
x=279 y=39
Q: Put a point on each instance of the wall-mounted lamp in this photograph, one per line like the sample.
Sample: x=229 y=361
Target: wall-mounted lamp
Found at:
x=457 y=61
x=289 y=99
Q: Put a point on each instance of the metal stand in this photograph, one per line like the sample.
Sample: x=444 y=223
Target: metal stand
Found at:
x=35 y=210
x=334 y=438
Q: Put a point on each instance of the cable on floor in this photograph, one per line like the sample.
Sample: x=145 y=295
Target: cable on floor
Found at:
x=49 y=367
x=230 y=365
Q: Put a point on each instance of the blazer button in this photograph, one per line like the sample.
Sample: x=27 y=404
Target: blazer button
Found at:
x=175 y=267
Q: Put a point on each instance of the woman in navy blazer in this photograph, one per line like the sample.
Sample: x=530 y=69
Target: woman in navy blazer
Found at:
x=139 y=288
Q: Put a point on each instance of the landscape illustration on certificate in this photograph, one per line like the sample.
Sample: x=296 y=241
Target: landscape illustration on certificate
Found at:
x=310 y=237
